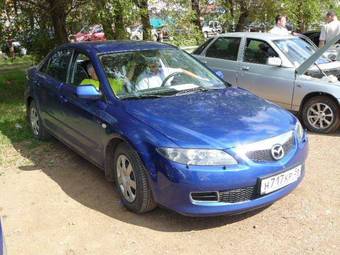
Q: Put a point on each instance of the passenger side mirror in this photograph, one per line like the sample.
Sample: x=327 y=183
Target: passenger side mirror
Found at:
x=88 y=92
x=274 y=61
x=332 y=57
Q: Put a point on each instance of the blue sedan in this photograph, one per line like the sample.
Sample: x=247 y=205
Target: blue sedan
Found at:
x=165 y=129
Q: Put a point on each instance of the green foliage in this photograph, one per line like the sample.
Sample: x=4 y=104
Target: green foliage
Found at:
x=13 y=124
x=304 y=13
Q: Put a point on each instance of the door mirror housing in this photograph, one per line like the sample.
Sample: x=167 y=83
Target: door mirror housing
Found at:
x=219 y=73
x=88 y=92
x=274 y=61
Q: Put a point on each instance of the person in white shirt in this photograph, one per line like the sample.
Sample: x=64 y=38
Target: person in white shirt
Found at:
x=280 y=26
x=155 y=73
x=152 y=76
x=330 y=30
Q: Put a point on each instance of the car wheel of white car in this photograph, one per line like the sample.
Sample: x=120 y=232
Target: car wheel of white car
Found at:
x=131 y=180
x=321 y=114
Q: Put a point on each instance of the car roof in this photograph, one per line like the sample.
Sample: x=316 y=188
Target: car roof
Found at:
x=257 y=35
x=117 y=46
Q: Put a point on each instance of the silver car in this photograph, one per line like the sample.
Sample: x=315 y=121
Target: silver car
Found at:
x=286 y=70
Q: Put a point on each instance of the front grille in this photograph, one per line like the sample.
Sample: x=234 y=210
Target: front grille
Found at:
x=262 y=156
x=238 y=195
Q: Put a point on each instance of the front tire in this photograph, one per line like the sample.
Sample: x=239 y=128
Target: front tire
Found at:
x=320 y=114
x=37 y=127
x=132 y=181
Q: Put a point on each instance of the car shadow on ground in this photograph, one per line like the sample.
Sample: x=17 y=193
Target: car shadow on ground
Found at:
x=86 y=184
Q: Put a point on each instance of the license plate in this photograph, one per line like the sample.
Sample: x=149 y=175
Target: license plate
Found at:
x=279 y=181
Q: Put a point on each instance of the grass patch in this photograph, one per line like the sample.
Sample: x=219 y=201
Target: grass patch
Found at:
x=13 y=125
x=25 y=60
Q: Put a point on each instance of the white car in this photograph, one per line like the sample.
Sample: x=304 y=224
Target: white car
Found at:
x=284 y=69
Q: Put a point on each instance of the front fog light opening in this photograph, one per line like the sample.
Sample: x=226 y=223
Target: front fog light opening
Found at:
x=205 y=196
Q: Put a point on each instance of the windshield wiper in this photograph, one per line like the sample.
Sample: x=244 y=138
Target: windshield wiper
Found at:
x=190 y=91
x=143 y=96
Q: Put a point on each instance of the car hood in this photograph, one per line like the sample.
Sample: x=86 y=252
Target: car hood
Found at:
x=221 y=119
x=311 y=60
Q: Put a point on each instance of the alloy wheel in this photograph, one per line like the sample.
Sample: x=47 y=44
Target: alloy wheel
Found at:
x=34 y=119
x=126 y=178
x=320 y=116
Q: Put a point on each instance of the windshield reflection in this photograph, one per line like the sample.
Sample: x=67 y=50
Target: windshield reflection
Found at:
x=157 y=72
x=298 y=51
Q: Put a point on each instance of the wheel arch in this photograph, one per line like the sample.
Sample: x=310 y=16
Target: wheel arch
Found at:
x=109 y=152
x=314 y=94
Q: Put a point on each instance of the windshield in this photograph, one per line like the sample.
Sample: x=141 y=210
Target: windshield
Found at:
x=298 y=51
x=162 y=72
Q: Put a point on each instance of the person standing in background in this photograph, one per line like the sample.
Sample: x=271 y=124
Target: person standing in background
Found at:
x=280 y=26
x=330 y=30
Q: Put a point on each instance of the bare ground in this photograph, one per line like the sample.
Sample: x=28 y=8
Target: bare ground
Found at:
x=55 y=202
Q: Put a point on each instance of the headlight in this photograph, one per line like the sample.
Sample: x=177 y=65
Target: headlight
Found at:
x=299 y=131
x=198 y=157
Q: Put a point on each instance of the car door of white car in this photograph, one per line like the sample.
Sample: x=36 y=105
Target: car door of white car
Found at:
x=275 y=83
x=222 y=55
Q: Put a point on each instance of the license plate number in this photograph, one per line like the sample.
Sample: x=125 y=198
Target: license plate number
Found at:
x=279 y=181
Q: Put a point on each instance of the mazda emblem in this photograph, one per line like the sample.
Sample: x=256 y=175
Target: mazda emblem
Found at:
x=277 y=152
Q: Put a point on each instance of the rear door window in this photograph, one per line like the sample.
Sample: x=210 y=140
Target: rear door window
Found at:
x=224 y=48
x=58 y=65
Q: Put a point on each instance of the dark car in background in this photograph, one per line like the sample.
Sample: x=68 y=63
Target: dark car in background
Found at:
x=313 y=36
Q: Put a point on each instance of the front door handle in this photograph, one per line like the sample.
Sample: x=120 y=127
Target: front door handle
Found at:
x=63 y=99
x=245 y=68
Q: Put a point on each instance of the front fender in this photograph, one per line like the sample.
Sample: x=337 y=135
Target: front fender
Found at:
x=306 y=85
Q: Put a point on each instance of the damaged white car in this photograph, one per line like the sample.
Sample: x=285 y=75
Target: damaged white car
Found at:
x=283 y=69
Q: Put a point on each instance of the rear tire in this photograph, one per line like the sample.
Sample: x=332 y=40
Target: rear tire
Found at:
x=320 y=114
x=131 y=179
x=37 y=126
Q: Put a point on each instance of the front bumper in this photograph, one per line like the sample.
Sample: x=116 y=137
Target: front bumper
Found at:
x=174 y=183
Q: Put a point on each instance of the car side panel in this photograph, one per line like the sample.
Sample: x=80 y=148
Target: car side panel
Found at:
x=228 y=67
x=270 y=82
x=306 y=85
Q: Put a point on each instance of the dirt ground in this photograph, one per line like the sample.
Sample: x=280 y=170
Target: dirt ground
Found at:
x=54 y=202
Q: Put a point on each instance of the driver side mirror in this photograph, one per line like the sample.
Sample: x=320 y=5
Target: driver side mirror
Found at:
x=88 y=92
x=274 y=61
x=219 y=73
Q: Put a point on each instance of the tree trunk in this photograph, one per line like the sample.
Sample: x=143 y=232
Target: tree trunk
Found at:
x=120 y=32
x=144 y=16
x=107 y=26
x=58 y=17
x=195 y=5
x=145 y=19
x=244 y=13
x=104 y=18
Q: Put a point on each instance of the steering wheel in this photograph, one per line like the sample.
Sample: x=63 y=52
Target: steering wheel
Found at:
x=172 y=75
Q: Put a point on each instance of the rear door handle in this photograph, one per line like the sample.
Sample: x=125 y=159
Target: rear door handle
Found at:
x=37 y=83
x=63 y=99
x=245 y=68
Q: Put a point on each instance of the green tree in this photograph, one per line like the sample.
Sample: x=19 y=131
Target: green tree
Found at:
x=306 y=13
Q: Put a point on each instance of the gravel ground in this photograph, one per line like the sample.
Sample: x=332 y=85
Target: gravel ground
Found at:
x=54 y=202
